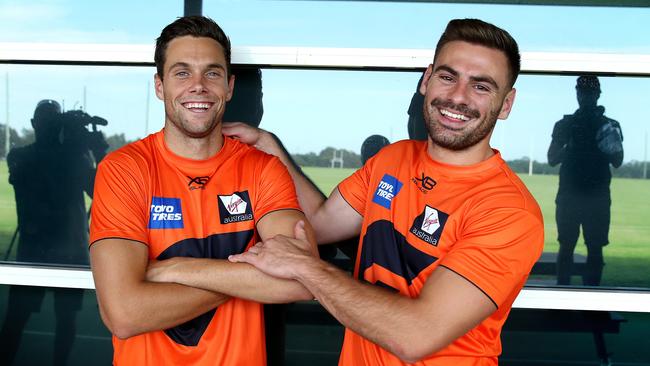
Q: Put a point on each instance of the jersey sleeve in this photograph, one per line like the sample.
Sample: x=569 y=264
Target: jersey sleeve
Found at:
x=119 y=207
x=354 y=188
x=497 y=251
x=275 y=190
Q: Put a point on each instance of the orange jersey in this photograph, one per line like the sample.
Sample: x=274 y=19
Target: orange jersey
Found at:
x=479 y=221
x=191 y=208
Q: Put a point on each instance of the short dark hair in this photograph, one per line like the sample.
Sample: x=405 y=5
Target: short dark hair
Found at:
x=478 y=32
x=588 y=83
x=195 y=26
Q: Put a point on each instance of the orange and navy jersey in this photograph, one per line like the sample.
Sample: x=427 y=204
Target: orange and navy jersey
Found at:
x=180 y=207
x=479 y=221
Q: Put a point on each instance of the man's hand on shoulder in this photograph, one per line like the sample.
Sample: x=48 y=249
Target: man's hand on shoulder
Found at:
x=256 y=137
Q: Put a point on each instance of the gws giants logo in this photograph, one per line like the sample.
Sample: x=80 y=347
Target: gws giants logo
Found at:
x=387 y=189
x=165 y=213
x=235 y=208
x=428 y=225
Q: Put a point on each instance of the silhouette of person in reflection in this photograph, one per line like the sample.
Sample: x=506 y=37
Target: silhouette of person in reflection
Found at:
x=246 y=103
x=586 y=143
x=246 y=106
x=371 y=145
x=416 y=127
x=49 y=178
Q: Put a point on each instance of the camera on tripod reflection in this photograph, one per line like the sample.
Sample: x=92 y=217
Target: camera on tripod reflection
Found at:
x=75 y=131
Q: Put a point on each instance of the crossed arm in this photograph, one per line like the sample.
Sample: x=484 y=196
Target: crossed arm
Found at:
x=128 y=303
x=240 y=279
x=133 y=301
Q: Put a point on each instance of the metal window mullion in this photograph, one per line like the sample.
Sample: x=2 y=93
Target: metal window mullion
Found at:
x=321 y=57
x=529 y=298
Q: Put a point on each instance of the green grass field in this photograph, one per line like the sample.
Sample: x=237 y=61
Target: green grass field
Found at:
x=627 y=257
x=628 y=254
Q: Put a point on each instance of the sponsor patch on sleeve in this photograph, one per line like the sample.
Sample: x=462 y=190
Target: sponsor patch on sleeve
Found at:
x=235 y=207
x=165 y=213
x=387 y=189
x=429 y=224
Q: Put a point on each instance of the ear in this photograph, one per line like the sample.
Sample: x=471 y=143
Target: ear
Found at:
x=425 y=79
x=508 y=101
x=231 y=87
x=158 y=84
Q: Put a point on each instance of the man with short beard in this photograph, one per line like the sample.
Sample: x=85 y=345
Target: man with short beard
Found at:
x=448 y=232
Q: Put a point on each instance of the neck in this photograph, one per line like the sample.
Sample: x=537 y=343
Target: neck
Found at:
x=195 y=148
x=470 y=156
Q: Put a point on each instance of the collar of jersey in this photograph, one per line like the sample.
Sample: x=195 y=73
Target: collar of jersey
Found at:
x=192 y=167
x=477 y=170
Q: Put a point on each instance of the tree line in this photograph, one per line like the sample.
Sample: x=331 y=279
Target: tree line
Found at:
x=26 y=137
x=631 y=169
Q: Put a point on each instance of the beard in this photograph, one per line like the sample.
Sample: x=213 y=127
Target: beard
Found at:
x=192 y=129
x=458 y=139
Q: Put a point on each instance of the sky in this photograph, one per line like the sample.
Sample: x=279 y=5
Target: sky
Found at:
x=313 y=109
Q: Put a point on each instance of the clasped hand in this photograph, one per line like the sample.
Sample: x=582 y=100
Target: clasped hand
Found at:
x=280 y=256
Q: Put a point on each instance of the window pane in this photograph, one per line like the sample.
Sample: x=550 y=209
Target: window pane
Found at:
x=309 y=23
x=386 y=24
x=556 y=337
x=42 y=326
x=315 y=112
x=77 y=21
x=48 y=175
x=529 y=337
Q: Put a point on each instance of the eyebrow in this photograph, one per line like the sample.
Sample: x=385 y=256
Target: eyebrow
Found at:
x=480 y=78
x=186 y=65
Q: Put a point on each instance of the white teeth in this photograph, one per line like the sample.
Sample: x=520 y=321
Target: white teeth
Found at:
x=447 y=113
x=197 y=105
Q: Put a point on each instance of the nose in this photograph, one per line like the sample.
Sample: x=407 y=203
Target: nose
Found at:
x=198 y=84
x=458 y=92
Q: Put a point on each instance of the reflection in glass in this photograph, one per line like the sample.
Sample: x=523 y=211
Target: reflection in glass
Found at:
x=49 y=177
x=315 y=112
x=336 y=110
x=585 y=143
x=51 y=326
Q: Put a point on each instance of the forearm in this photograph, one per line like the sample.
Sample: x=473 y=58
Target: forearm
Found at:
x=147 y=306
x=394 y=322
x=235 y=279
x=555 y=153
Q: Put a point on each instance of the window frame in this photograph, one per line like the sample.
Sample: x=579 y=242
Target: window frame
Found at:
x=551 y=63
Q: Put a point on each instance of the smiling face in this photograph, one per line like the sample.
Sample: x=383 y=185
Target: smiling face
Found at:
x=196 y=87
x=466 y=90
